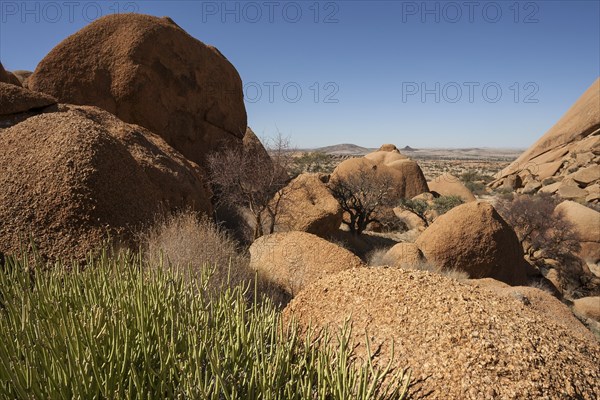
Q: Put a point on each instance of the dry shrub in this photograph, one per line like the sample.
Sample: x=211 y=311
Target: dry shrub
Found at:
x=378 y=257
x=195 y=243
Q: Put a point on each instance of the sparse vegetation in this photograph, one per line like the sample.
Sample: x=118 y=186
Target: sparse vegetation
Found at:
x=362 y=195
x=541 y=231
x=476 y=182
x=314 y=161
x=417 y=207
x=192 y=243
x=118 y=329
x=251 y=182
x=443 y=204
x=422 y=208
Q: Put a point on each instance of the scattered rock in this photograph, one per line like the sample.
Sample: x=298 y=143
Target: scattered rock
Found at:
x=292 y=260
x=73 y=177
x=449 y=185
x=150 y=72
x=587 y=175
x=513 y=182
x=570 y=144
x=308 y=206
x=460 y=341
x=532 y=187
x=584 y=158
x=547 y=170
x=551 y=188
x=567 y=191
x=475 y=239
x=593 y=193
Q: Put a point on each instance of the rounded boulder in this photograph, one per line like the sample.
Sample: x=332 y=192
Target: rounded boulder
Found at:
x=150 y=72
x=72 y=178
x=474 y=238
x=292 y=260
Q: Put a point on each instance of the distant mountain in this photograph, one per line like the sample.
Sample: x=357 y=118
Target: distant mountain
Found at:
x=345 y=148
x=408 y=148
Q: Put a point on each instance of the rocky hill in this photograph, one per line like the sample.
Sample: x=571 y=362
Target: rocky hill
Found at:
x=566 y=159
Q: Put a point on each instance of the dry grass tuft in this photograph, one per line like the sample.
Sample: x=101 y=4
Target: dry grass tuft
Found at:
x=193 y=243
x=378 y=258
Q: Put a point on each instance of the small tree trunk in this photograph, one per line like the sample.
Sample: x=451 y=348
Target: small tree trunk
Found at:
x=258 y=228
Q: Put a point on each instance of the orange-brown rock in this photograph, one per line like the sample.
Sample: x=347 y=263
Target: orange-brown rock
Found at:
x=586 y=223
x=569 y=147
x=588 y=307
x=475 y=239
x=22 y=76
x=307 y=205
x=8 y=77
x=150 y=72
x=16 y=99
x=71 y=178
x=409 y=218
x=460 y=341
x=406 y=178
x=292 y=260
x=539 y=301
x=449 y=185
x=405 y=255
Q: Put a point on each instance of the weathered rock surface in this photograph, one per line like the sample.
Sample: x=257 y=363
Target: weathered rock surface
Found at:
x=16 y=99
x=307 y=205
x=586 y=223
x=475 y=239
x=406 y=177
x=463 y=342
x=449 y=185
x=404 y=255
x=588 y=307
x=150 y=72
x=541 y=302
x=71 y=178
x=569 y=149
x=8 y=77
x=292 y=260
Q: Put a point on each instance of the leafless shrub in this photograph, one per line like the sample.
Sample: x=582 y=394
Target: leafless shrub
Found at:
x=252 y=182
x=541 y=231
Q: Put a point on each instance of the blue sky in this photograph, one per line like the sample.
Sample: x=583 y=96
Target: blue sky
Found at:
x=424 y=74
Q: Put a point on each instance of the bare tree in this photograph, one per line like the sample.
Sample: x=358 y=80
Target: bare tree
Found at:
x=362 y=195
x=252 y=180
x=422 y=208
